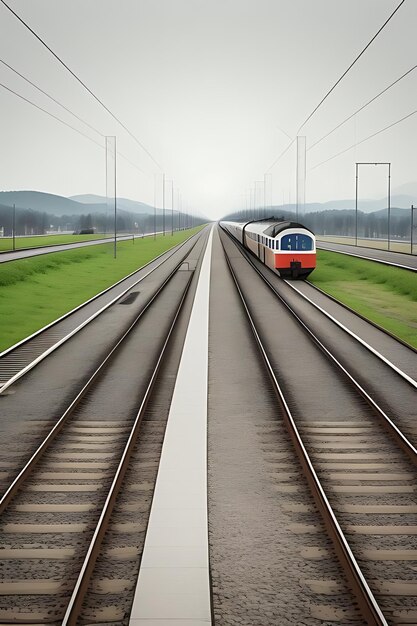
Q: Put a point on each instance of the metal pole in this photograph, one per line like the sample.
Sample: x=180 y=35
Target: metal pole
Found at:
x=111 y=192
x=172 y=208
x=356 y=206
x=389 y=204
x=107 y=201
x=300 y=178
x=155 y=187
x=412 y=228
x=14 y=227
x=163 y=203
x=268 y=194
x=115 y=203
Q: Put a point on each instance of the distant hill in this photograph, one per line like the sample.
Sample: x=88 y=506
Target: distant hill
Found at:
x=123 y=203
x=366 y=206
x=408 y=189
x=76 y=205
x=40 y=202
x=48 y=202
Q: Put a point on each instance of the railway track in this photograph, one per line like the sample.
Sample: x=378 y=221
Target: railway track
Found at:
x=393 y=343
x=22 y=357
x=377 y=377
x=409 y=379
x=360 y=465
x=56 y=512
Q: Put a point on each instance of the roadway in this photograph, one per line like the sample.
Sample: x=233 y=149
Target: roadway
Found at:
x=401 y=259
x=14 y=255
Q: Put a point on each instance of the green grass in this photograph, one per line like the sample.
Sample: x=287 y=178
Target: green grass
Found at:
x=385 y=295
x=36 y=291
x=6 y=243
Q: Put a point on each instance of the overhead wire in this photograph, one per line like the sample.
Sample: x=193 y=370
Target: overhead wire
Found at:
x=362 y=108
x=281 y=155
x=58 y=119
x=335 y=84
x=358 y=143
x=51 y=98
x=50 y=114
x=82 y=83
x=350 y=66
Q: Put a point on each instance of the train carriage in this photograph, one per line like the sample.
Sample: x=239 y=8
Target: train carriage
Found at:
x=286 y=247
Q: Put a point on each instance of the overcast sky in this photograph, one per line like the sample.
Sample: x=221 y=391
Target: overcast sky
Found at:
x=210 y=87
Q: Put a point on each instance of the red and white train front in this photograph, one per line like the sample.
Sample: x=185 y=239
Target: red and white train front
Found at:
x=287 y=247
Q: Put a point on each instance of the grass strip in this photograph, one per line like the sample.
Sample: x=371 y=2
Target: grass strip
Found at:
x=6 y=243
x=38 y=290
x=385 y=295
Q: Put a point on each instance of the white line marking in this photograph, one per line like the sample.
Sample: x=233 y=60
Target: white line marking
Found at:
x=173 y=584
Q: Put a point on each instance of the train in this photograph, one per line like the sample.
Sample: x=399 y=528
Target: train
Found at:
x=286 y=247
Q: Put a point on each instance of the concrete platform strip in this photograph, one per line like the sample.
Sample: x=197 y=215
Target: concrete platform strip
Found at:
x=173 y=584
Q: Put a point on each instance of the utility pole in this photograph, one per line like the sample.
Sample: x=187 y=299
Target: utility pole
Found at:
x=111 y=182
x=172 y=208
x=155 y=195
x=14 y=227
x=163 y=203
x=300 y=176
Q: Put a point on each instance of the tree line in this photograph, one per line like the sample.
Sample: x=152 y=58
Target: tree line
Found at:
x=31 y=222
x=342 y=222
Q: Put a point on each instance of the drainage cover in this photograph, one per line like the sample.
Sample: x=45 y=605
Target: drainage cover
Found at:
x=131 y=297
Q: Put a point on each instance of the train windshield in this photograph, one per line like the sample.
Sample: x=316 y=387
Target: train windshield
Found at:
x=296 y=242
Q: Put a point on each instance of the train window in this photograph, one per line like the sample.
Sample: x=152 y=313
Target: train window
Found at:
x=296 y=242
x=305 y=242
x=288 y=242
